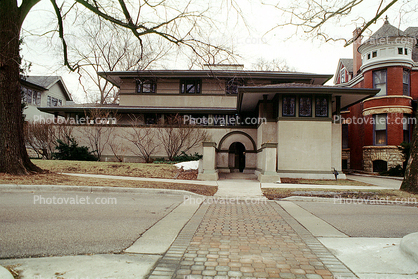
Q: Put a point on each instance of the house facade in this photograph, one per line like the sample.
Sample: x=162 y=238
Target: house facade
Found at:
x=273 y=124
x=43 y=91
x=374 y=128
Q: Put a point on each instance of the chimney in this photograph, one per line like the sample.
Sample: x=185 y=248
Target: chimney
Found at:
x=356 y=54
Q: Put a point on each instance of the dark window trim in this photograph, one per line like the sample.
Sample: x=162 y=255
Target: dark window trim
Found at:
x=140 y=89
x=299 y=104
x=386 y=81
x=232 y=85
x=294 y=112
x=409 y=82
x=327 y=98
x=386 y=130
x=197 y=82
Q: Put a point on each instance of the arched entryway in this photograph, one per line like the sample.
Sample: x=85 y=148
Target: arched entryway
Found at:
x=236 y=157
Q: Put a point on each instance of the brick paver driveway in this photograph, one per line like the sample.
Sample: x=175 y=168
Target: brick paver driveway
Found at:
x=244 y=240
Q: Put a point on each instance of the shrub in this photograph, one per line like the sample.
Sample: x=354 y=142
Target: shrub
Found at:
x=394 y=171
x=71 y=151
x=184 y=157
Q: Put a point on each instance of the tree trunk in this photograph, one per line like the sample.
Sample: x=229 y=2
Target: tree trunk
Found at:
x=13 y=156
x=410 y=181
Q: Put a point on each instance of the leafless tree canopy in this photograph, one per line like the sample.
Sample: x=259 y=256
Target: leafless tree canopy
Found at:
x=105 y=47
x=276 y=64
x=176 y=136
x=99 y=129
x=42 y=137
x=315 y=17
x=144 y=139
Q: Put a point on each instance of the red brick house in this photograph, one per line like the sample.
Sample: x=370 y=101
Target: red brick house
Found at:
x=375 y=127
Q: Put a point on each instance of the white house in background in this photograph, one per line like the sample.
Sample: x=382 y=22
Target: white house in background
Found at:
x=43 y=91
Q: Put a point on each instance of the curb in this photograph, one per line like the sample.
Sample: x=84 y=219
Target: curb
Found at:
x=5 y=274
x=409 y=246
x=90 y=189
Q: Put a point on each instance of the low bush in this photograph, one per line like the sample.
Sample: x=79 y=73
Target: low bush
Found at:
x=71 y=151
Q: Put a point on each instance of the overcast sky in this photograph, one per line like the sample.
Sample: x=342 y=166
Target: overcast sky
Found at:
x=248 y=39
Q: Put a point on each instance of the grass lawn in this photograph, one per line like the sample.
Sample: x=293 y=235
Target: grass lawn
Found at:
x=346 y=182
x=61 y=179
x=110 y=168
x=391 y=195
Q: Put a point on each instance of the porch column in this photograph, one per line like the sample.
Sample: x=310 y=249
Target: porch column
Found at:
x=268 y=173
x=209 y=162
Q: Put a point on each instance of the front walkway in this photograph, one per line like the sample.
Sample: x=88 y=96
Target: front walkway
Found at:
x=251 y=240
x=239 y=185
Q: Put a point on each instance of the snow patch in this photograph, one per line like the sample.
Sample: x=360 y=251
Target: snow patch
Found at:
x=191 y=165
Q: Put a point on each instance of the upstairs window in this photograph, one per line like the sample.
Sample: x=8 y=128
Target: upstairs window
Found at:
x=289 y=106
x=405 y=81
x=406 y=51
x=342 y=75
x=146 y=86
x=374 y=54
x=305 y=106
x=379 y=82
x=400 y=50
x=190 y=86
x=380 y=129
x=232 y=86
x=321 y=107
x=53 y=102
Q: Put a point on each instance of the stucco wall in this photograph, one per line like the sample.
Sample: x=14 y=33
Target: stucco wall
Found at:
x=304 y=145
x=191 y=101
x=126 y=147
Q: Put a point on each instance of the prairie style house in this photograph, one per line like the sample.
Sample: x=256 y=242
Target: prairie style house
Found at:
x=388 y=61
x=272 y=123
x=43 y=91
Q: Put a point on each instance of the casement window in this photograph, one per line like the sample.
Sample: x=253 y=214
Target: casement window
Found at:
x=53 y=102
x=380 y=135
x=379 y=82
x=342 y=75
x=289 y=106
x=405 y=81
x=305 y=106
x=232 y=86
x=321 y=107
x=145 y=86
x=190 y=86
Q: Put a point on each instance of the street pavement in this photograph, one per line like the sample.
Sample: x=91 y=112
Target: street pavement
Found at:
x=233 y=236
x=32 y=229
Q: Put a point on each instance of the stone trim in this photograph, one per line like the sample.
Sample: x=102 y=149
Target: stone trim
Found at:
x=387 y=109
x=390 y=153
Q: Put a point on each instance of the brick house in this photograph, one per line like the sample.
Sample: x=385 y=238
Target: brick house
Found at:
x=374 y=128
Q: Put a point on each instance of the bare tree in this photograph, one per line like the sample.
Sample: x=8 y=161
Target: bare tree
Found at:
x=276 y=64
x=108 y=47
x=315 y=17
x=42 y=137
x=99 y=129
x=144 y=139
x=176 y=22
x=177 y=136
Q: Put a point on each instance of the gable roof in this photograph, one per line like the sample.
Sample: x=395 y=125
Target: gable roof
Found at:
x=46 y=82
x=347 y=63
